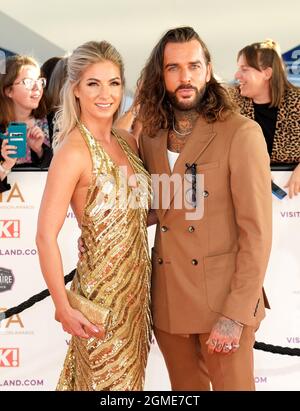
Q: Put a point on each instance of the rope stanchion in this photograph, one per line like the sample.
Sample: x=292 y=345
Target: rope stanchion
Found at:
x=277 y=349
x=32 y=300
x=274 y=349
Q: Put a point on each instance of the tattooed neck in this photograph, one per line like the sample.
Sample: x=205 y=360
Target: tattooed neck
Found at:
x=184 y=121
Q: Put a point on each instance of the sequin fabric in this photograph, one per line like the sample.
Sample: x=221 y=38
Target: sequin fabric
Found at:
x=115 y=272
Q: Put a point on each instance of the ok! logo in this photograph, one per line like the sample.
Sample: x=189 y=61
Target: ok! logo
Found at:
x=9 y=228
x=9 y=357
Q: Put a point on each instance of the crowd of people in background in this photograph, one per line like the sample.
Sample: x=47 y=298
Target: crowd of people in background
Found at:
x=31 y=94
x=22 y=99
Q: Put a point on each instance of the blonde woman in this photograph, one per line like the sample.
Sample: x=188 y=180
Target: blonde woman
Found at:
x=93 y=167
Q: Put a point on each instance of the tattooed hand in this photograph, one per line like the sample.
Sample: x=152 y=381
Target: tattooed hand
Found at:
x=224 y=337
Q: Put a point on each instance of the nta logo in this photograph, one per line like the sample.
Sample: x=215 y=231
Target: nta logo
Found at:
x=14 y=193
x=14 y=319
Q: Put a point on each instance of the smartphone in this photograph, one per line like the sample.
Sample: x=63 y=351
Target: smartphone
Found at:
x=277 y=191
x=16 y=135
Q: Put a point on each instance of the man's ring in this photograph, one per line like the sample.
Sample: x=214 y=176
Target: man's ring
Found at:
x=227 y=347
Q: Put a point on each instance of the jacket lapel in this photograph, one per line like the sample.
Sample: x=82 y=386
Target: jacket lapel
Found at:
x=200 y=138
x=159 y=153
x=161 y=167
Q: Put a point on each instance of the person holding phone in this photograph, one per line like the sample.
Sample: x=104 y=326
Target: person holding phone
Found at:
x=97 y=170
x=21 y=101
x=265 y=95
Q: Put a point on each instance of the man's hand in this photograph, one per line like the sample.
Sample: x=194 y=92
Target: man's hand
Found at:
x=80 y=247
x=224 y=337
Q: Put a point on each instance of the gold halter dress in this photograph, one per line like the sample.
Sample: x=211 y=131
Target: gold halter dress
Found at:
x=115 y=272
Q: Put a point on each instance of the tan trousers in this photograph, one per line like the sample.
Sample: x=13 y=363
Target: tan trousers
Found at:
x=191 y=368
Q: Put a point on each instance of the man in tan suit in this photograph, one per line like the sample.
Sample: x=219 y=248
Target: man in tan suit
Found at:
x=208 y=268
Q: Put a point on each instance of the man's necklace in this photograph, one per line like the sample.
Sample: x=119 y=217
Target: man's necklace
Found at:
x=178 y=132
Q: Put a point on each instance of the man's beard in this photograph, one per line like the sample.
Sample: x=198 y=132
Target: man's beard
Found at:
x=188 y=105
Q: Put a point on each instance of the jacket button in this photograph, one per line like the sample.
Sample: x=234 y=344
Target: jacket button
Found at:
x=194 y=262
x=205 y=193
x=164 y=229
x=191 y=229
x=160 y=260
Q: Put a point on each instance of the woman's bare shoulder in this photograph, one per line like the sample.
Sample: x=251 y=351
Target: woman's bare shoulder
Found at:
x=72 y=151
x=72 y=143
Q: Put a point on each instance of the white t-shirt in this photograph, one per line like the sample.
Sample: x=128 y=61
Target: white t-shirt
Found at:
x=172 y=157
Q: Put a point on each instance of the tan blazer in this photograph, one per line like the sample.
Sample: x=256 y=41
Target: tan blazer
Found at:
x=216 y=264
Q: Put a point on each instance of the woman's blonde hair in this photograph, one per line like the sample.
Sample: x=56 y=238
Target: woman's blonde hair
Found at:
x=82 y=57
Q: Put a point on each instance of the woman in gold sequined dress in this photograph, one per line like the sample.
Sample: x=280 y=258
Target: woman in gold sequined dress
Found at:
x=96 y=169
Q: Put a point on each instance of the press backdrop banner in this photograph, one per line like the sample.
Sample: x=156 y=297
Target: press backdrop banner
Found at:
x=33 y=345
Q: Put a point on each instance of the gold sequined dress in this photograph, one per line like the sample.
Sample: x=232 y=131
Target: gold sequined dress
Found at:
x=115 y=271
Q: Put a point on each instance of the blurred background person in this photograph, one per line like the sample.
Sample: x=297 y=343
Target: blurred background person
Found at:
x=265 y=95
x=47 y=68
x=21 y=100
x=53 y=91
x=128 y=120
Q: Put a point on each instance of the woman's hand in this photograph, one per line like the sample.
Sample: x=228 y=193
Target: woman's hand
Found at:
x=36 y=138
x=6 y=151
x=75 y=323
x=294 y=182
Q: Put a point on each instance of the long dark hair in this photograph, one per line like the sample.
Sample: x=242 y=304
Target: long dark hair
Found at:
x=155 y=111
